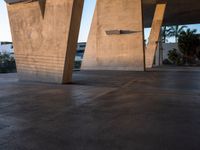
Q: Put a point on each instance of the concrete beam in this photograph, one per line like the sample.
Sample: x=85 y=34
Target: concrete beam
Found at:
x=116 y=39
x=177 y=12
x=154 y=34
x=18 y=1
x=45 y=47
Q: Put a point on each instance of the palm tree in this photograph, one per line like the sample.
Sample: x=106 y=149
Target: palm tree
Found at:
x=176 y=30
x=164 y=34
x=188 y=42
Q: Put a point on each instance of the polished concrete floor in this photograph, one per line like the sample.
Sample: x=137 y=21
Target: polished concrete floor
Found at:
x=156 y=110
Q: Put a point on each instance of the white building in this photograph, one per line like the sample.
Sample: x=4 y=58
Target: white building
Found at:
x=6 y=47
x=80 y=51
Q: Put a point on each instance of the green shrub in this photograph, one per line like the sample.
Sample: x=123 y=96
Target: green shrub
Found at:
x=188 y=43
x=198 y=52
x=175 y=57
x=167 y=62
x=7 y=63
x=77 y=65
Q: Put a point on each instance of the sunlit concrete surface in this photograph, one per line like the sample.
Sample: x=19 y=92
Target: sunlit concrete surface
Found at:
x=155 y=110
x=45 y=35
x=110 y=43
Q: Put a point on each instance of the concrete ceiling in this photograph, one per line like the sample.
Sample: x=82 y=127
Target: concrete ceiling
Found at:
x=177 y=12
x=17 y=1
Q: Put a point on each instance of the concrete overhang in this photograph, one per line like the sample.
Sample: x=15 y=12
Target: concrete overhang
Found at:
x=18 y=1
x=177 y=11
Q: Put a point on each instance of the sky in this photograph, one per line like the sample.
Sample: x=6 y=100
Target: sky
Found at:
x=4 y=23
x=88 y=11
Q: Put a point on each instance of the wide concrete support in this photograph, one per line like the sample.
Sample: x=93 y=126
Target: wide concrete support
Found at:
x=45 y=43
x=154 y=34
x=116 y=39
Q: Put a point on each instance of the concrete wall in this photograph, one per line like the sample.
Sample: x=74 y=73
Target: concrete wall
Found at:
x=45 y=46
x=116 y=37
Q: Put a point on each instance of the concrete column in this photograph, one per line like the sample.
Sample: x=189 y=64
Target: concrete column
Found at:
x=159 y=53
x=45 y=43
x=157 y=56
x=155 y=34
x=116 y=39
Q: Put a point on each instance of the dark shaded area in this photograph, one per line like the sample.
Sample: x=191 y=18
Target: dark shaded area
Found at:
x=118 y=32
x=18 y=1
x=177 y=12
x=42 y=4
x=7 y=63
x=106 y=110
x=8 y=68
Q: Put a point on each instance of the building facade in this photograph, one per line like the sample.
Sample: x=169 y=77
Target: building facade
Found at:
x=6 y=47
x=80 y=51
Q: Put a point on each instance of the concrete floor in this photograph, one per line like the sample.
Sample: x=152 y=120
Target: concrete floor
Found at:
x=157 y=110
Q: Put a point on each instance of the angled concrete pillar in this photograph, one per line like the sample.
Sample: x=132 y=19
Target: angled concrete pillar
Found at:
x=154 y=34
x=116 y=39
x=45 y=36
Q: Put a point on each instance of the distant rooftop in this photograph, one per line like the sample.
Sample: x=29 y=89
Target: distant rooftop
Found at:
x=5 y=42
